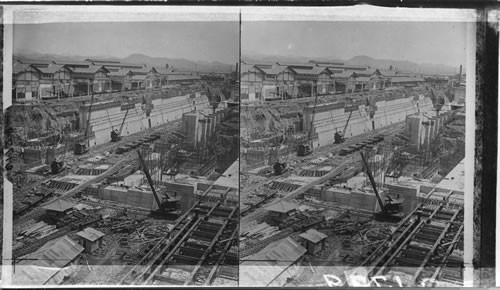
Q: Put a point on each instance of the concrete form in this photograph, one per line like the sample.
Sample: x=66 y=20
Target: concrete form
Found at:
x=422 y=129
x=200 y=126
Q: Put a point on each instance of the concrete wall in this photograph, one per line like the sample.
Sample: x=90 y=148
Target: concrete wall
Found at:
x=134 y=197
x=408 y=193
x=183 y=191
x=368 y=201
x=164 y=110
x=352 y=198
x=387 y=113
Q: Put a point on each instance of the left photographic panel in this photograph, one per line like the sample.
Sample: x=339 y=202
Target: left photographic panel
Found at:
x=124 y=133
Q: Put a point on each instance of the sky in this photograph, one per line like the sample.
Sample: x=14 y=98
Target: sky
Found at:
x=196 y=41
x=421 y=42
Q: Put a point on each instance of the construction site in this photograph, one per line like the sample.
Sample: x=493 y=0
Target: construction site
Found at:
x=355 y=188
x=134 y=187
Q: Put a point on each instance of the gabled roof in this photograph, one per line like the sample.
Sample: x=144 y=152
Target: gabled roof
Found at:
x=406 y=79
x=245 y=67
x=88 y=70
x=313 y=236
x=20 y=67
x=59 y=205
x=52 y=68
x=35 y=61
x=102 y=60
x=119 y=64
x=344 y=74
x=40 y=266
x=164 y=70
x=139 y=77
x=297 y=65
x=73 y=63
x=363 y=79
x=143 y=70
x=120 y=73
x=347 y=67
x=176 y=77
x=91 y=234
x=271 y=69
x=282 y=206
x=326 y=63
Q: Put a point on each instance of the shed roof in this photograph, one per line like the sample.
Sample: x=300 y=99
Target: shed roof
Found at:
x=282 y=206
x=91 y=234
x=313 y=236
x=265 y=266
x=59 y=205
x=40 y=266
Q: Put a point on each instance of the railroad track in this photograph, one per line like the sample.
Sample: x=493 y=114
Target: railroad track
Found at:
x=422 y=247
x=194 y=251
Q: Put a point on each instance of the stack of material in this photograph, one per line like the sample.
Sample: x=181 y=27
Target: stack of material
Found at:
x=39 y=230
x=262 y=231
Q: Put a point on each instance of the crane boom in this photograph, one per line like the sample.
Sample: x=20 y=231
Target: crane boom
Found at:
x=312 y=117
x=372 y=181
x=150 y=180
x=90 y=110
x=347 y=123
x=123 y=121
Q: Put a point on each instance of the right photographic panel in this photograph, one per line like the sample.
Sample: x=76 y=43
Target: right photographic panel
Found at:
x=354 y=147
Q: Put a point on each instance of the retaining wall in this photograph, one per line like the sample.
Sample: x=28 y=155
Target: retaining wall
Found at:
x=387 y=113
x=106 y=117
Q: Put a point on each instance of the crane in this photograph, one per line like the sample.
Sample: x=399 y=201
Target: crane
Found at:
x=169 y=207
x=83 y=146
x=58 y=166
x=340 y=136
x=306 y=147
x=116 y=135
x=279 y=167
x=390 y=209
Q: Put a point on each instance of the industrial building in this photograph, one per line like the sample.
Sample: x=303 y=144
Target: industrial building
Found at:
x=262 y=81
x=35 y=79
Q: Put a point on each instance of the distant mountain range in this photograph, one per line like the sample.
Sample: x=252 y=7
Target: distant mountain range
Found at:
x=362 y=60
x=177 y=63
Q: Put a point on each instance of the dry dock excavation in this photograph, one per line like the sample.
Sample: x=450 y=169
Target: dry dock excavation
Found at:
x=334 y=183
x=130 y=180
